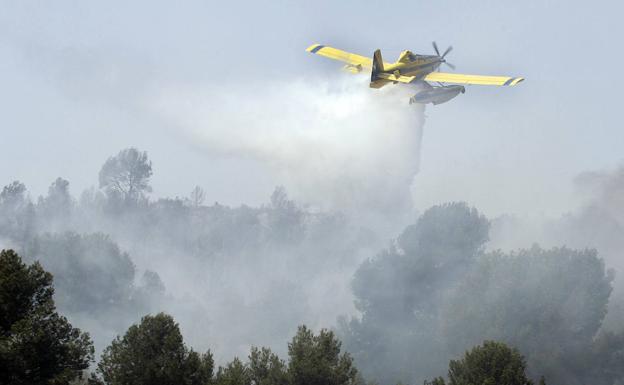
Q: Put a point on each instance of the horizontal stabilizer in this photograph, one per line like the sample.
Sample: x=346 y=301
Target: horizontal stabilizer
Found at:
x=394 y=78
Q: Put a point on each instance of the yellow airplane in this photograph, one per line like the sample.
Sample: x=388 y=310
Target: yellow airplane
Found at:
x=412 y=68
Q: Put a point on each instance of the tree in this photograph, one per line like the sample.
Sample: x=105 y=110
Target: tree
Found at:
x=602 y=364
x=491 y=364
x=266 y=368
x=197 y=197
x=285 y=219
x=92 y=273
x=279 y=199
x=234 y=373
x=199 y=368
x=316 y=360
x=13 y=194
x=153 y=353
x=17 y=216
x=548 y=303
x=37 y=345
x=435 y=381
x=399 y=293
x=152 y=283
x=450 y=233
x=408 y=278
x=438 y=288
x=126 y=175
x=58 y=203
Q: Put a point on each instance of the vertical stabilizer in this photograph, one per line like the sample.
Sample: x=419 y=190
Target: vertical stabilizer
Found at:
x=377 y=65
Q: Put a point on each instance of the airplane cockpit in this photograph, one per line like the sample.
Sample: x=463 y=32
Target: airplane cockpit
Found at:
x=407 y=56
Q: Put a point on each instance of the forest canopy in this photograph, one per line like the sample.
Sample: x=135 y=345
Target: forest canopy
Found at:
x=236 y=277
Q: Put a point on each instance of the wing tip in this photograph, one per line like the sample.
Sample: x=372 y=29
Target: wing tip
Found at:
x=516 y=81
x=314 y=48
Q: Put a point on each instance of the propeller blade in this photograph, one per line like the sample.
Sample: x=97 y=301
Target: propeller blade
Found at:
x=450 y=65
x=449 y=49
x=435 y=47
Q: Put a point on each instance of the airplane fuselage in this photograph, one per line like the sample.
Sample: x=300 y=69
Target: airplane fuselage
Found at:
x=410 y=64
x=416 y=65
x=407 y=68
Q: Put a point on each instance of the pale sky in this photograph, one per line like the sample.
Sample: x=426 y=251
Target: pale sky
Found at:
x=75 y=77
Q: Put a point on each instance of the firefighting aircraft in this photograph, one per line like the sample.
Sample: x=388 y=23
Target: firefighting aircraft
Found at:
x=412 y=68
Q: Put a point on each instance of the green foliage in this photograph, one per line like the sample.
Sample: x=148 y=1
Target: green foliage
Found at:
x=263 y=368
x=153 y=353
x=436 y=293
x=491 y=364
x=548 y=303
x=316 y=360
x=602 y=364
x=435 y=381
x=406 y=279
x=93 y=274
x=428 y=297
x=199 y=368
x=234 y=373
x=447 y=234
x=399 y=293
x=37 y=345
x=266 y=368
x=25 y=290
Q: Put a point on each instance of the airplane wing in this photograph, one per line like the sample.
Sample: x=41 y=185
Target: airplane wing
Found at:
x=443 y=77
x=340 y=55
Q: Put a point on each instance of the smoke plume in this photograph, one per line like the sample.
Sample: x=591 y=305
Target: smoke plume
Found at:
x=336 y=145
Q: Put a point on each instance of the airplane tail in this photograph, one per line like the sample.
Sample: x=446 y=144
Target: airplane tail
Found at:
x=377 y=65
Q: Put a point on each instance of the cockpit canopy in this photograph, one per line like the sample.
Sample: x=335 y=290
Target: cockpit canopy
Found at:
x=406 y=57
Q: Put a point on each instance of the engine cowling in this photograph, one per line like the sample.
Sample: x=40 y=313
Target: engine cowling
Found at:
x=437 y=95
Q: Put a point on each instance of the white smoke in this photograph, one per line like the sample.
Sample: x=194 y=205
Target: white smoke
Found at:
x=336 y=145
x=333 y=144
x=597 y=222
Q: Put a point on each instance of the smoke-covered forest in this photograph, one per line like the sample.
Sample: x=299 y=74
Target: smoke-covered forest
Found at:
x=378 y=307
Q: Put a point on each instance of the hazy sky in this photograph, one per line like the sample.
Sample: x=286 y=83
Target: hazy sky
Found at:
x=76 y=80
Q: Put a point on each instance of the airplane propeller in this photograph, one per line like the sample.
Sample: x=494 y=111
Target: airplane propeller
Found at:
x=435 y=47
x=437 y=51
